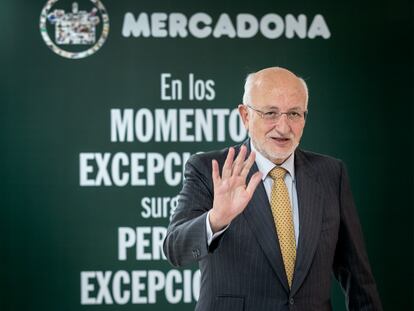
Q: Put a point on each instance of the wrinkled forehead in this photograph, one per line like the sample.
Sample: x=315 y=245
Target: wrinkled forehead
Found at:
x=279 y=93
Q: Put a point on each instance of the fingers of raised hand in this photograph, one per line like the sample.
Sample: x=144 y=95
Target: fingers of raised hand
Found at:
x=215 y=171
x=254 y=181
x=248 y=164
x=239 y=162
x=233 y=166
x=228 y=164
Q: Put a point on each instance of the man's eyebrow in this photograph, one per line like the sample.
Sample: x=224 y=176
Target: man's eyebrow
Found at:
x=277 y=108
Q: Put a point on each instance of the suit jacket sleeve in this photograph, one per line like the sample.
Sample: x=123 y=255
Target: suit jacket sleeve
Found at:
x=351 y=265
x=186 y=239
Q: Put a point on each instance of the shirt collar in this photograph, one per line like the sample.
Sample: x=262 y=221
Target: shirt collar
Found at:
x=265 y=165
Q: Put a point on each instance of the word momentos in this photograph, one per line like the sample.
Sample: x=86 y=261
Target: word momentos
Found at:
x=176 y=125
x=201 y=25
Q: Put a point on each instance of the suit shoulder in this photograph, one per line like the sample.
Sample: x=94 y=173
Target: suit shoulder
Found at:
x=209 y=155
x=321 y=161
x=319 y=156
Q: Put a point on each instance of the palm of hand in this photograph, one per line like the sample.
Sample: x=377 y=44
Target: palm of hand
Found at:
x=231 y=194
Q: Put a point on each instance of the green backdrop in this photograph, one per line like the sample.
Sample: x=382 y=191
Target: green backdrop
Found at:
x=61 y=239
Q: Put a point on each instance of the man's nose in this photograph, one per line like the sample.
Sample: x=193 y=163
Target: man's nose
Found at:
x=282 y=124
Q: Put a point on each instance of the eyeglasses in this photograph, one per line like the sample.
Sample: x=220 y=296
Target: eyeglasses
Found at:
x=293 y=115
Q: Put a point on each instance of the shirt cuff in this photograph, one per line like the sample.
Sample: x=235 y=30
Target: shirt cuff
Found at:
x=210 y=235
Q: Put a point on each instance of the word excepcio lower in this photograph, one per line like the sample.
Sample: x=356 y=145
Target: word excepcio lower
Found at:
x=139 y=287
x=135 y=169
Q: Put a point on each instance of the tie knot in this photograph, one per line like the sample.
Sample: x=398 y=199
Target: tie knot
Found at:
x=277 y=172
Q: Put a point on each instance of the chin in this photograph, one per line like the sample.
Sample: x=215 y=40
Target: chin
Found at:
x=279 y=156
x=276 y=156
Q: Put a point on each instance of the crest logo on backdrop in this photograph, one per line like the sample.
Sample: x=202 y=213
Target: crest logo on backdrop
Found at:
x=74 y=34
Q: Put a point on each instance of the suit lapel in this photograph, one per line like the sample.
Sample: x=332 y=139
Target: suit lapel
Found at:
x=259 y=217
x=310 y=202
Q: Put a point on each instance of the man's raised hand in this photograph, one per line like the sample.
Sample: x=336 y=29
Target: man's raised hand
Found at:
x=231 y=195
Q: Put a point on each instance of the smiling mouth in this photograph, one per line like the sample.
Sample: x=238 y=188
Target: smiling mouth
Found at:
x=281 y=141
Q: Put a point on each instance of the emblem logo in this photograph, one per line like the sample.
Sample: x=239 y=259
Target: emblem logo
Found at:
x=74 y=32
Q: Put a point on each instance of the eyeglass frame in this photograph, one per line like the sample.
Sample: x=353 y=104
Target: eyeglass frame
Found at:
x=262 y=114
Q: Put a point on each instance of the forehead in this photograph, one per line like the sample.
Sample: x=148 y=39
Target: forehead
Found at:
x=278 y=91
x=281 y=97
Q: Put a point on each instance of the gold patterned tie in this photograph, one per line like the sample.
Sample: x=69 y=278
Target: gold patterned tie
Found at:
x=282 y=215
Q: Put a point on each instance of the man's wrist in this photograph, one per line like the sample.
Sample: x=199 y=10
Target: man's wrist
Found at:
x=215 y=223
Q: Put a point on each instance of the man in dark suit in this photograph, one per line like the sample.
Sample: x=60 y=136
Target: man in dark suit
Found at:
x=272 y=226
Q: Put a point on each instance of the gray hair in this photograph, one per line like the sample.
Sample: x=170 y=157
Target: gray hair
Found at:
x=252 y=81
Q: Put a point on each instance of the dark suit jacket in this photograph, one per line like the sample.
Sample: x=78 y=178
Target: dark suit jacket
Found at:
x=243 y=268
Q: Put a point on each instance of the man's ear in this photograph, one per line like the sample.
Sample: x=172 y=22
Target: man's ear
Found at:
x=244 y=114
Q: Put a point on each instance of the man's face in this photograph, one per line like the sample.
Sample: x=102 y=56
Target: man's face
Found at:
x=275 y=139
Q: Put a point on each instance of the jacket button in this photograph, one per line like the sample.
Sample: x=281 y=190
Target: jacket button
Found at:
x=196 y=253
x=291 y=301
